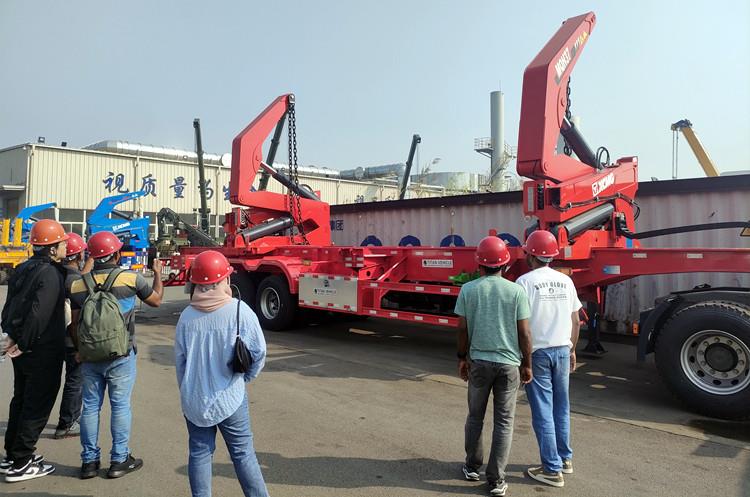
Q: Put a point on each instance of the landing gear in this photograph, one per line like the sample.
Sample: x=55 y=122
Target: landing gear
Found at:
x=594 y=347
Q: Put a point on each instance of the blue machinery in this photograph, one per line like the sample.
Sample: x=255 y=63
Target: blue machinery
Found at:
x=133 y=232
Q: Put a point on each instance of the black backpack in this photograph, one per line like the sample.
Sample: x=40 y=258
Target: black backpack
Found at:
x=21 y=288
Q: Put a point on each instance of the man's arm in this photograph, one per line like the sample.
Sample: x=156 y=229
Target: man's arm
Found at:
x=524 y=342
x=252 y=337
x=154 y=300
x=463 y=348
x=574 y=338
x=73 y=328
x=180 y=358
x=88 y=265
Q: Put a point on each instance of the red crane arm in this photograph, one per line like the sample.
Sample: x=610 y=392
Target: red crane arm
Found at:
x=247 y=149
x=544 y=101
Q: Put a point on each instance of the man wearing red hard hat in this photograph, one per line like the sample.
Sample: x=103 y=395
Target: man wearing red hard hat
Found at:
x=70 y=404
x=554 y=334
x=34 y=319
x=117 y=372
x=494 y=353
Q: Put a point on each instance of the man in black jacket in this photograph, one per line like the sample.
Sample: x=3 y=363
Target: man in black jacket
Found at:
x=34 y=319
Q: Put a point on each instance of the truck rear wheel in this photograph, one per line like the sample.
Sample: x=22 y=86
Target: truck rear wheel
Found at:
x=274 y=304
x=703 y=354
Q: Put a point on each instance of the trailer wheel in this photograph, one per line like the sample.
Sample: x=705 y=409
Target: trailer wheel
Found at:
x=274 y=304
x=703 y=354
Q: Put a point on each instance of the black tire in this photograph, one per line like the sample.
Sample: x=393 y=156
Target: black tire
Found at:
x=275 y=306
x=245 y=285
x=4 y=277
x=702 y=353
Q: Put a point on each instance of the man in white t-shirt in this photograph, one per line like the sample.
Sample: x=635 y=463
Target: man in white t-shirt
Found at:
x=554 y=334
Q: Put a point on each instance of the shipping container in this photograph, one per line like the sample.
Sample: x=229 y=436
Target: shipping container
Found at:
x=464 y=220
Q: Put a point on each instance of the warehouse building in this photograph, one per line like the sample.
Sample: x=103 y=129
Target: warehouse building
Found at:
x=78 y=179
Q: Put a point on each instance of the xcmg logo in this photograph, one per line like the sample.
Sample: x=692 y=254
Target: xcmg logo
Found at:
x=602 y=184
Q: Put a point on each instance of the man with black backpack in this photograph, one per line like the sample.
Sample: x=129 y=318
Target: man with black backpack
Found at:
x=103 y=313
x=34 y=319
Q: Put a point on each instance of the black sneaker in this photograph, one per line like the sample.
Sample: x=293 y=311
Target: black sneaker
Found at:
x=30 y=471
x=90 y=469
x=119 y=469
x=6 y=463
x=470 y=474
x=498 y=488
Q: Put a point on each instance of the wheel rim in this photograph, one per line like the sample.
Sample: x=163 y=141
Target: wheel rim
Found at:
x=716 y=362
x=270 y=303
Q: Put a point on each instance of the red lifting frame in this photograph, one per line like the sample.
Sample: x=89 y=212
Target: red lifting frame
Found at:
x=561 y=188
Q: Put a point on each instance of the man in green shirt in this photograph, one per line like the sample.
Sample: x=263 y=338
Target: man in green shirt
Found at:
x=494 y=352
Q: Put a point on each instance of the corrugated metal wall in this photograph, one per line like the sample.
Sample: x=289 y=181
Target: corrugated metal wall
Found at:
x=79 y=179
x=473 y=216
x=12 y=173
x=13 y=166
x=625 y=300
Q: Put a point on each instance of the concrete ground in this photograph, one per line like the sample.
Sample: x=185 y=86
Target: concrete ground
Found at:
x=374 y=409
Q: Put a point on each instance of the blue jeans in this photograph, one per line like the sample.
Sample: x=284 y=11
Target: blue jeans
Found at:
x=502 y=381
x=118 y=377
x=239 y=440
x=550 y=406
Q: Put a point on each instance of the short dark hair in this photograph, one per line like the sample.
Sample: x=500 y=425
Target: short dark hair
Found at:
x=42 y=250
x=492 y=270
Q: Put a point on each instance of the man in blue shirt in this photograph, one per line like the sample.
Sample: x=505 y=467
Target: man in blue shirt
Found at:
x=494 y=352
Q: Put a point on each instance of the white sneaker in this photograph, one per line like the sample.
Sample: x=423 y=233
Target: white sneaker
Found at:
x=29 y=472
x=470 y=474
x=6 y=463
x=498 y=488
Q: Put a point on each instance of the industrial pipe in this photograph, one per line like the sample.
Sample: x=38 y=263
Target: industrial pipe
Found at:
x=588 y=220
x=266 y=228
x=201 y=176
x=284 y=180
x=578 y=144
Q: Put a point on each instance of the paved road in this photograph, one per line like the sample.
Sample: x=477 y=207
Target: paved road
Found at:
x=374 y=409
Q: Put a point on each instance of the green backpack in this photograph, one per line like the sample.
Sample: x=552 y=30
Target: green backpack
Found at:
x=102 y=332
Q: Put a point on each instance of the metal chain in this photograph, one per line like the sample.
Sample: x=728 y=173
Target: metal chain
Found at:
x=567 y=150
x=294 y=173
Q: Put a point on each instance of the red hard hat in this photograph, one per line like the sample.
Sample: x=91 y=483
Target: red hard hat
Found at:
x=47 y=232
x=492 y=252
x=209 y=267
x=542 y=244
x=103 y=244
x=76 y=245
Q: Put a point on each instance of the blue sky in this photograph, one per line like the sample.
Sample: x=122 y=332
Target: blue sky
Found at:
x=368 y=75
